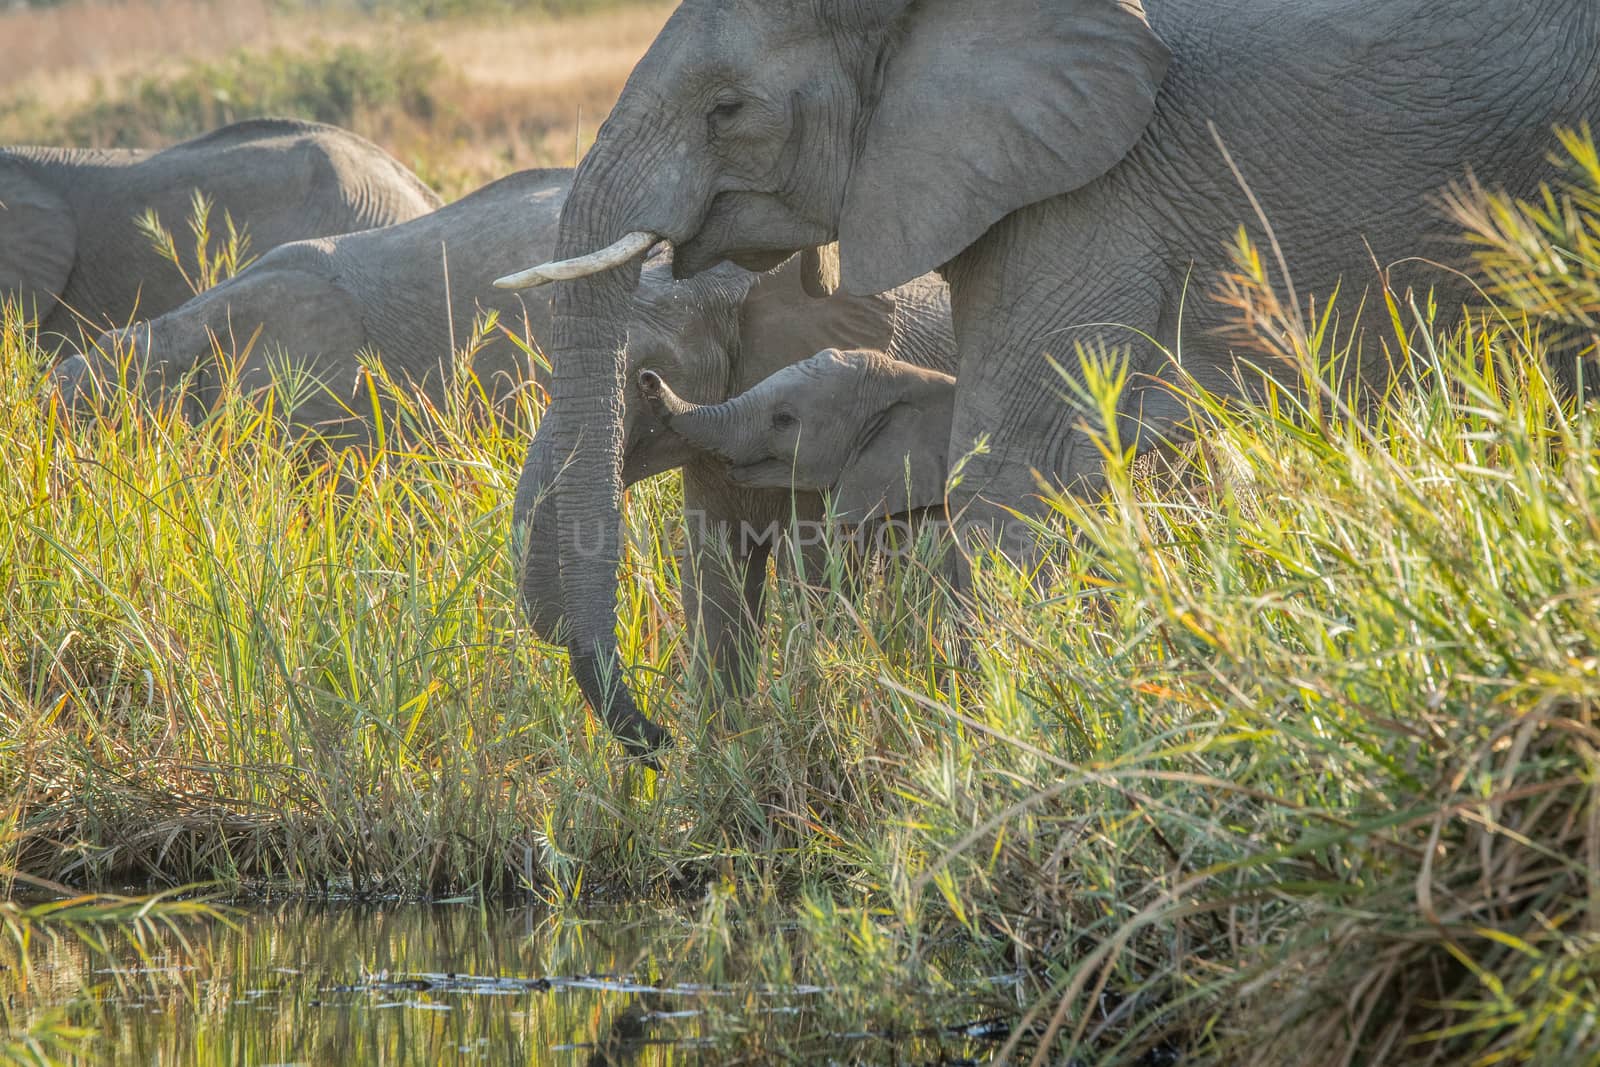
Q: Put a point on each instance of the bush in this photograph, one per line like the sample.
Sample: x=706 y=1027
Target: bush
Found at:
x=333 y=85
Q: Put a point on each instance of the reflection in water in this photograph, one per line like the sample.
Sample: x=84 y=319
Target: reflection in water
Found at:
x=423 y=985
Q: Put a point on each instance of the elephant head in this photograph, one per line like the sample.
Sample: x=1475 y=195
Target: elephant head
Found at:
x=753 y=130
x=686 y=332
x=245 y=315
x=728 y=328
x=870 y=430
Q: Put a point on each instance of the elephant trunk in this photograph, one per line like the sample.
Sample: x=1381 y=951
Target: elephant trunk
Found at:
x=576 y=461
x=585 y=446
x=726 y=430
x=662 y=400
x=634 y=184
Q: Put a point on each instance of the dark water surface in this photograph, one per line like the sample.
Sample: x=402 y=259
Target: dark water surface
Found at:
x=413 y=984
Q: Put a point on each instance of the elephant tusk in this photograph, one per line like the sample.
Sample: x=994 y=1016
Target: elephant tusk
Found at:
x=565 y=270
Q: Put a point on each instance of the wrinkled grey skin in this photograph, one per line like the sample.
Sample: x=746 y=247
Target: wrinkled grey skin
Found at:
x=1055 y=160
x=69 y=248
x=869 y=430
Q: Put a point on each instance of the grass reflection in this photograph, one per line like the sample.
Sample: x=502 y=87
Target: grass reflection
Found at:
x=420 y=984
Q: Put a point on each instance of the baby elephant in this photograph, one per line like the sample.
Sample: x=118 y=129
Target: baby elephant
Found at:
x=870 y=430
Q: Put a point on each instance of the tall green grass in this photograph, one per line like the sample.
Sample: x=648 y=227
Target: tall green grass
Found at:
x=1289 y=756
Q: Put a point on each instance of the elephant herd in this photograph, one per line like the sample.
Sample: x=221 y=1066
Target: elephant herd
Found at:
x=827 y=248
x=364 y=259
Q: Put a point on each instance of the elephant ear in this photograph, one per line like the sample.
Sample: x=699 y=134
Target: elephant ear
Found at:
x=780 y=323
x=899 y=466
x=38 y=242
x=986 y=108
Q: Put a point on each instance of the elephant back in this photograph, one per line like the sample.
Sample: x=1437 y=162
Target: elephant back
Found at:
x=421 y=285
x=338 y=181
x=276 y=180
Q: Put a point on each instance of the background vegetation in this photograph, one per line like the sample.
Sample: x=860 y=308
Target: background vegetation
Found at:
x=463 y=100
x=1289 y=756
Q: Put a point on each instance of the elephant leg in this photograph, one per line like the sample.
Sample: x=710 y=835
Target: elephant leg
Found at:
x=724 y=602
x=724 y=588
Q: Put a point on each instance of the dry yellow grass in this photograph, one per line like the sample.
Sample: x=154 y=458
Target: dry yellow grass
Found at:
x=531 y=92
x=548 y=54
x=59 y=52
x=517 y=92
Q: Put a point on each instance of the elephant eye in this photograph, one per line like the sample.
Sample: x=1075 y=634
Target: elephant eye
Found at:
x=725 y=110
x=782 y=420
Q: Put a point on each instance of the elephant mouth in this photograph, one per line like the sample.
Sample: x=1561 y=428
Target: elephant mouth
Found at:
x=653 y=451
x=753 y=230
x=771 y=473
x=696 y=255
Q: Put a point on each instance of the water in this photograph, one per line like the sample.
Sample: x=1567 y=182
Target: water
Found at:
x=430 y=984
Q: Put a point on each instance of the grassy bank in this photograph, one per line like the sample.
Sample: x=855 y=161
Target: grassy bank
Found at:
x=1293 y=751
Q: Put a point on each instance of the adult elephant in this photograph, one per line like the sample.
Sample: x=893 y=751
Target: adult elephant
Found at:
x=1058 y=161
x=70 y=249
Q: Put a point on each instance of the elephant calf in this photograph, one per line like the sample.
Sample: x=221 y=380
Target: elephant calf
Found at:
x=70 y=251
x=870 y=431
x=732 y=529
